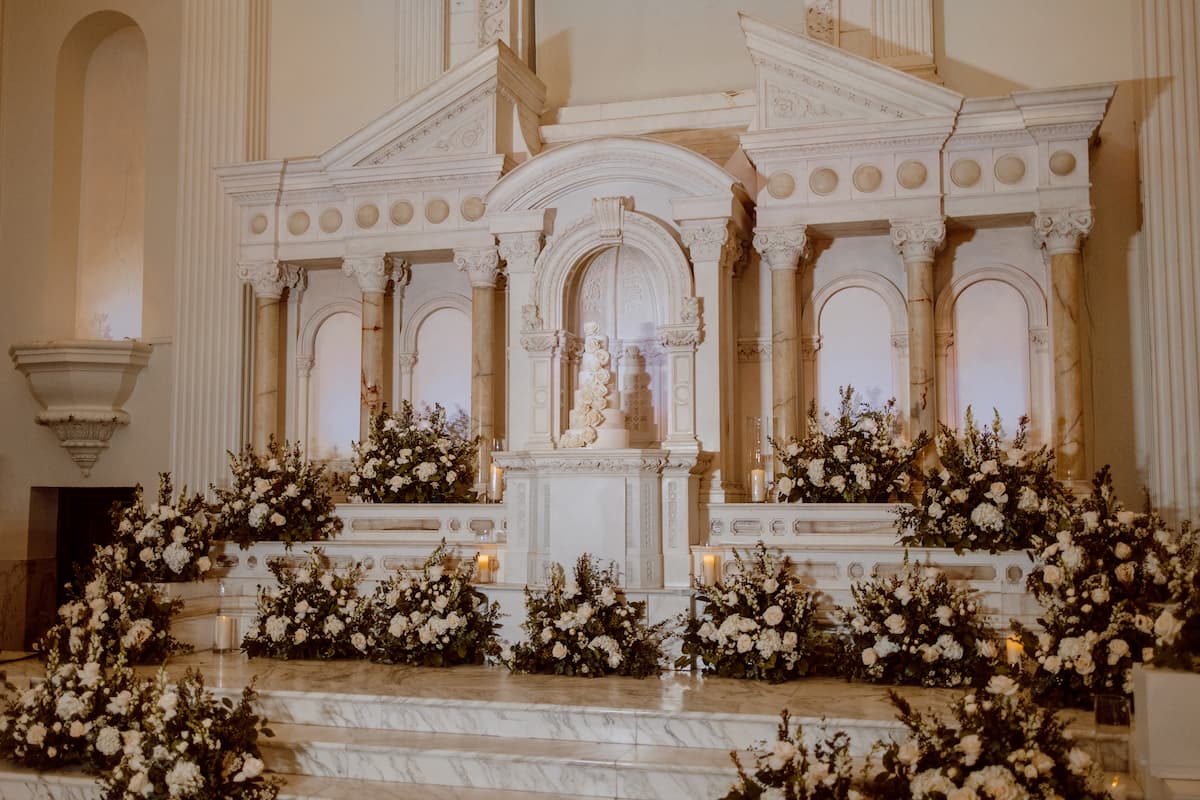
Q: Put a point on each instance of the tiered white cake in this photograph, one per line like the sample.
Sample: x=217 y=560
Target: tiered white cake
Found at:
x=595 y=419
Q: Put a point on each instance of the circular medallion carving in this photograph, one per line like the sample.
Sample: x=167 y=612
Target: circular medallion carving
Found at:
x=1010 y=169
x=367 y=215
x=258 y=224
x=781 y=184
x=436 y=211
x=473 y=208
x=368 y=563
x=867 y=178
x=298 y=222
x=1013 y=573
x=331 y=220
x=1062 y=163
x=965 y=172
x=856 y=570
x=401 y=212
x=912 y=174
x=252 y=561
x=823 y=181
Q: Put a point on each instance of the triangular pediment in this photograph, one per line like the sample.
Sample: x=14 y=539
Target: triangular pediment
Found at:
x=804 y=82
x=484 y=106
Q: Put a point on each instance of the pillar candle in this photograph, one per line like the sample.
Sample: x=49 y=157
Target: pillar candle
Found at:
x=496 y=490
x=225 y=634
x=758 y=485
x=483 y=568
x=1014 y=649
x=710 y=570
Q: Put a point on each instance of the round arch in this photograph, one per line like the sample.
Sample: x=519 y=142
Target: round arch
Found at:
x=412 y=326
x=308 y=333
x=1017 y=278
x=880 y=285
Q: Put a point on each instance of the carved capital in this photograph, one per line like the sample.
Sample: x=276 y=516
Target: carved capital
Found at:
x=783 y=247
x=1062 y=230
x=1039 y=339
x=520 y=250
x=482 y=265
x=809 y=347
x=371 y=272
x=706 y=242
x=754 y=349
x=268 y=277
x=544 y=342
x=406 y=360
x=400 y=272
x=918 y=239
x=942 y=342
x=304 y=365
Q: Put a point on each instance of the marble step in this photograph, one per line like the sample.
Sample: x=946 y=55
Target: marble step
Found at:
x=589 y=769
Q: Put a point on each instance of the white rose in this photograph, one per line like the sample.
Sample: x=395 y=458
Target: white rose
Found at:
x=869 y=657
x=559 y=651
x=1122 y=550
x=773 y=615
x=785 y=485
x=1052 y=575
x=971 y=748
x=945 y=615
x=1002 y=685
x=895 y=624
x=744 y=643
x=770 y=585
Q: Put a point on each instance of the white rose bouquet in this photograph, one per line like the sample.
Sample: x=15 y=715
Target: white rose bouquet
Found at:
x=277 y=497
x=189 y=746
x=1177 y=629
x=414 y=458
x=1099 y=583
x=987 y=494
x=917 y=627
x=824 y=772
x=436 y=618
x=857 y=457
x=586 y=627
x=315 y=611
x=165 y=541
x=757 y=622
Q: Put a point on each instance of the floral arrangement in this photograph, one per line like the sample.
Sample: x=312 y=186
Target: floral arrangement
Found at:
x=916 y=627
x=826 y=772
x=1001 y=745
x=166 y=542
x=188 y=746
x=1098 y=583
x=1177 y=630
x=127 y=618
x=275 y=497
x=987 y=495
x=853 y=458
x=757 y=621
x=414 y=458
x=586 y=627
x=74 y=716
x=314 y=612
x=436 y=619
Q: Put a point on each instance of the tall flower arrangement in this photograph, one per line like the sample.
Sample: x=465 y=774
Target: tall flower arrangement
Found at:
x=314 y=611
x=412 y=457
x=988 y=494
x=916 y=627
x=855 y=457
x=189 y=746
x=757 y=621
x=1177 y=629
x=1098 y=583
x=586 y=627
x=797 y=772
x=436 y=618
x=165 y=541
x=279 y=496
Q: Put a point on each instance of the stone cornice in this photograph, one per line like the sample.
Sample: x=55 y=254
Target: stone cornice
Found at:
x=1062 y=230
x=783 y=247
x=918 y=239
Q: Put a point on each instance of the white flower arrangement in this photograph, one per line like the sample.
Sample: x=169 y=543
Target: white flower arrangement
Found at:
x=166 y=541
x=757 y=622
x=916 y=627
x=189 y=746
x=988 y=494
x=1100 y=583
x=315 y=611
x=279 y=496
x=857 y=457
x=796 y=772
x=586 y=627
x=414 y=458
x=436 y=618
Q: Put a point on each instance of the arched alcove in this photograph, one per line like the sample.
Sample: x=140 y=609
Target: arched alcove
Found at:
x=442 y=372
x=333 y=410
x=856 y=349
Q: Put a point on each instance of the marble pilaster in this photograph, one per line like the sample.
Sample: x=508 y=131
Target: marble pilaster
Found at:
x=269 y=279
x=918 y=242
x=784 y=248
x=372 y=274
x=482 y=265
x=527 y=425
x=1062 y=233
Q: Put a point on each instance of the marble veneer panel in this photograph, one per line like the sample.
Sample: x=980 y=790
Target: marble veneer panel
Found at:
x=27 y=595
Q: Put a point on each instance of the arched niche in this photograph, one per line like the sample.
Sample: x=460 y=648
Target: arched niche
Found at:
x=333 y=389
x=435 y=353
x=1009 y=283
x=98 y=196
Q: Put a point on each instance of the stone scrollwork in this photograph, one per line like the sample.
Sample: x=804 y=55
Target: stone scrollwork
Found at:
x=918 y=239
x=482 y=265
x=1062 y=230
x=531 y=318
x=783 y=247
x=679 y=335
x=608 y=214
x=371 y=272
x=268 y=277
x=520 y=250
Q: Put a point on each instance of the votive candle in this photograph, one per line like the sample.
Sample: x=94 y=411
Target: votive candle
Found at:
x=483 y=568
x=710 y=569
x=758 y=485
x=225 y=634
x=1014 y=650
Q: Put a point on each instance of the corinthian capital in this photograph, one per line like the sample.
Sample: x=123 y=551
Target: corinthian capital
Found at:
x=705 y=242
x=783 y=247
x=267 y=276
x=919 y=239
x=520 y=250
x=371 y=272
x=482 y=265
x=1062 y=230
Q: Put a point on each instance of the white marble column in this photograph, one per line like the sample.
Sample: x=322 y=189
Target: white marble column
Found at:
x=304 y=368
x=482 y=265
x=528 y=423
x=784 y=249
x=918 y=242
x=372 y=275
x=1169 y=159
x=1062 y=233
x=269 y=280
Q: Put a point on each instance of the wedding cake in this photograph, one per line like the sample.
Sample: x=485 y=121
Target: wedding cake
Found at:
x=595 y=419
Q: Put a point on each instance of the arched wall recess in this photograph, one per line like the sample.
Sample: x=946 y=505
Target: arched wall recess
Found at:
x=306 y=424
x=409 y=354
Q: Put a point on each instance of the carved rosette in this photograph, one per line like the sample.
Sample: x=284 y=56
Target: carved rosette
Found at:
x=1062 y=230
x=371 y=272
x=520 y=250
x=482 y=265
x=268 y=277
x=783 y=247
x=918 y=239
